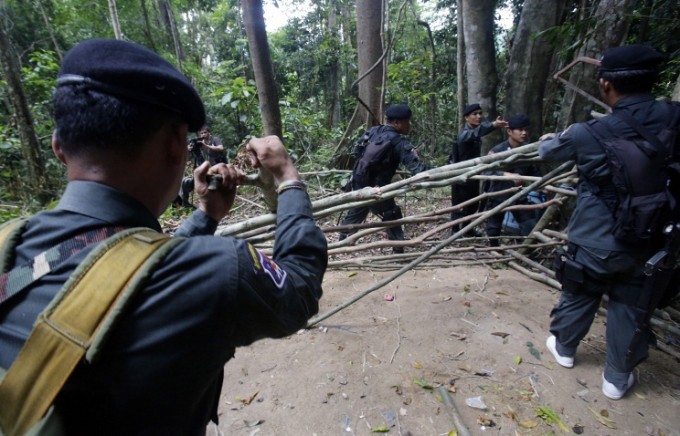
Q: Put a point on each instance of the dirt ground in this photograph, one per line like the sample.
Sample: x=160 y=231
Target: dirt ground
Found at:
x=377 y=366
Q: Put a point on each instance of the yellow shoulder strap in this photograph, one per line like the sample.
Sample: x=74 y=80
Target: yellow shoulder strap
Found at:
x=79 y=316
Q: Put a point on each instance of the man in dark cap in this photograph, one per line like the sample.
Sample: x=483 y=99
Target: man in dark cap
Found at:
x=122 y=115
x=378 y=154
x=526 y=219
x=468 y=146
x=598 y=262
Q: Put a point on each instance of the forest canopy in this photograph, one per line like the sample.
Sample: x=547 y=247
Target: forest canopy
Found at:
x=335 y=67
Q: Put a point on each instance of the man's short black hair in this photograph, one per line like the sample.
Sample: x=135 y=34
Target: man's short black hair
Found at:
x=90 y=121
x=629 y=82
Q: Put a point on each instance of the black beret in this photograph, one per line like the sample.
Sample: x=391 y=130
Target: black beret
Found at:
x=471 y=108
x=631 y=57
x=398 y=112
x=128 y=70
x=518 y=121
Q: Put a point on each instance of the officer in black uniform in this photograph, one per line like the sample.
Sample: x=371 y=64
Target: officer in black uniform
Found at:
x=517 y=136
x=402 y=152
x=468 y=146
x=626 y=77
x=122 y=115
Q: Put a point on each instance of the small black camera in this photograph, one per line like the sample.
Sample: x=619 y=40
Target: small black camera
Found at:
x=194 y=143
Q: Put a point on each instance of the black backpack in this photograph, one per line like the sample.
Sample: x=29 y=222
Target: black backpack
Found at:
x=643 y=171
x=453 y=156
x=371 y=152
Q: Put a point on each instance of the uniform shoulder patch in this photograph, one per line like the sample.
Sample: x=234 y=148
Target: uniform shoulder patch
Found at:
x=263 y=265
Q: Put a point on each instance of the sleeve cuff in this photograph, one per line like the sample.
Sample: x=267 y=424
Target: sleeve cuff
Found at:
x=199 y=223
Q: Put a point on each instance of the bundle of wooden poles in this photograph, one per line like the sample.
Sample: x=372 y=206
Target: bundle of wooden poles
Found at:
x=438 y=246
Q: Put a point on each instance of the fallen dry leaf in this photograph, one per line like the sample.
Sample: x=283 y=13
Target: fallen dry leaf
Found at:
x=528 y=424
x=250 y=399
x=603 y=419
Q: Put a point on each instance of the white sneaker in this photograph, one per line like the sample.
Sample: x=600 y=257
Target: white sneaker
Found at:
x=612 y=392
x=566 y=362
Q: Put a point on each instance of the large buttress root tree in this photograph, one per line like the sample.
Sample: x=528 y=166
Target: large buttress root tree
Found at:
x=480 y=58
x=529 y=65
x=610 y=23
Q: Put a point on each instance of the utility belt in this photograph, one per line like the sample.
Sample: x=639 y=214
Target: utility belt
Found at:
x=568 y=271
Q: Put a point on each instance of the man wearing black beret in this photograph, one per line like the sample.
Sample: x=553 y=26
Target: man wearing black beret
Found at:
x=378 y=153
x=518 y=133
x=597 y=261
x=468 y=146
x=122 y=115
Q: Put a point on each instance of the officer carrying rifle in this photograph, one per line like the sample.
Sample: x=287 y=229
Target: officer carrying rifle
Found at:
x=623 y=213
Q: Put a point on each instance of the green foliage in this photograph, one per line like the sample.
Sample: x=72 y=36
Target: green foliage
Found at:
x=10 y=171
x=38 y=78
x=308 y=55
x=308 y=140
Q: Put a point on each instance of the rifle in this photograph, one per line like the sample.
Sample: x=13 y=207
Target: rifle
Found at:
x=660 y=271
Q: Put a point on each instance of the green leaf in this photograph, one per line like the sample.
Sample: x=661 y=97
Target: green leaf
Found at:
x=534 y=352
x=423 y=383
x=551 y=417
x=380 y=429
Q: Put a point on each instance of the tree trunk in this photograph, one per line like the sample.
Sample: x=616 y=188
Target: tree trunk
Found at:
x=431 y=136
x=676 y=90
x=253 y=19
x=114 y=19
x=347 y=37
x=334 y=106
x=480 y=56
x=370 y=48
x=460 y=63
x=50 y=29
x=609 y=29
x=369 y=110
x=171 y=25
x=527 y=72
x=30 y=146
x=147 y=25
